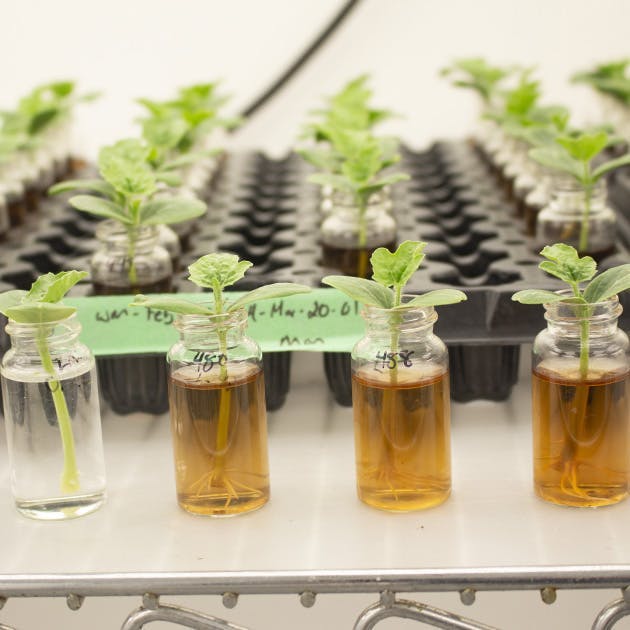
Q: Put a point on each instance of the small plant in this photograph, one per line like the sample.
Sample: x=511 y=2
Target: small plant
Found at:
x=477 y=74
x=574 y=155
x=609 y=78
x=391 y=272
x=564 y=263
x=126 y=193
x=363 y=160
x=216 y=272
x=42 y=306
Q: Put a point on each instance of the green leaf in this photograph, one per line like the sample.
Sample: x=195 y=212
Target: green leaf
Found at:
x=362 y=290
x=275 y=290
x=438 y=297
x=93 y=185
x=611 y=165
x=172 y=304
x=170 y=210
x=557 y=158
x=164 y=131
x=564 y=263
x=100 y=208
x=9 y=299
x=124 y=165
x=585 y=146
x=608 y=283
x=39 y=313
x=189 y=158
x=170 y=179
x=395 y=269
x=51 y=287
x=537 y=296
x=217 y=270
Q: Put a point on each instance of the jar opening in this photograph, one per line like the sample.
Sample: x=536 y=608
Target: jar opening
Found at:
x=568 y=311
x=191 y=323
x=65 y=326
x=406 y=314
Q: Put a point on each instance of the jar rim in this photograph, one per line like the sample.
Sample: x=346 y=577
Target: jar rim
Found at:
x=17 y=329
x=423 y=315
x=188 y=322
x=608 y=309
x=111 y=229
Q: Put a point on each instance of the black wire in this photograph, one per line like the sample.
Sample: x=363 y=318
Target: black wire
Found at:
x=279 y=83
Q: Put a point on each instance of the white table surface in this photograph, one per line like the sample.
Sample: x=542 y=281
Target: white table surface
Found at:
x=314 y=520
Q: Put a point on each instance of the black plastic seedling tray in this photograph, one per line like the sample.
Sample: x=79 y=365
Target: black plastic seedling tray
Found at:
x=261 y=209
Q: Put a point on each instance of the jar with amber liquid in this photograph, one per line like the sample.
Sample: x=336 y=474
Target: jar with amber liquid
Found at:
x=350 y=233
x=580 y=405
x=401 y=406
x=130 y=261
x=218 y=417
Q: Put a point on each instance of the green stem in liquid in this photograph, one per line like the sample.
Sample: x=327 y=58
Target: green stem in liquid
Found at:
x=70 y=474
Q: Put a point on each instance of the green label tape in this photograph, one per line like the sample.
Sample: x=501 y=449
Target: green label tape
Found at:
x=324 y=320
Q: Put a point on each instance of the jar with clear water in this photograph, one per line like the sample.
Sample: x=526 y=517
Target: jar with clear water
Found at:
x=53 y=421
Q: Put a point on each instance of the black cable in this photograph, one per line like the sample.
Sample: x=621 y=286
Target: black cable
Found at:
x=279 y=83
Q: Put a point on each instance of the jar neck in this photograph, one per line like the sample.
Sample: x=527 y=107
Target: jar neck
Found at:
x=568 y=319
x=30 y=338
x=203 y=331
x=413 y=320
x=569 y=197
x=117 y=237
x=347 y=206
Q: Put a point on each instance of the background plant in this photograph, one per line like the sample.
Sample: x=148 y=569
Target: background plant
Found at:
x=576 y=155
x=42 y=307
x=127 y=193
x=564 y=263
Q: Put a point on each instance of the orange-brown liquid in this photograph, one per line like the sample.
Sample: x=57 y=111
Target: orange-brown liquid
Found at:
x=219 y=440
x=581 y=434
x=161 y=286
x=402 y=439
x=351 y=261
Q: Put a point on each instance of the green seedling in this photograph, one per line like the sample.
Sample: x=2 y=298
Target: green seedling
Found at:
x=391 y=272
x=42 y=306
x=574 y=155
x=127 y=193
x=476 y=74
x=216 y=272
x=360 y=175
x=609 y=78
x=564 y=263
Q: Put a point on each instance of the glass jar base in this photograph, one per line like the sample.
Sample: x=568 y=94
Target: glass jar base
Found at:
x=584 y=496
x=222 y=505
x=61 y=508
x=404 y=500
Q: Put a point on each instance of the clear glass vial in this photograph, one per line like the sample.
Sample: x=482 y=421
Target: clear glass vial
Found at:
x=53 y=421
x=401 y=406
x=350 y=235
x=130 y=260
x=218 y=416
x=580 y=406
x=578 y=218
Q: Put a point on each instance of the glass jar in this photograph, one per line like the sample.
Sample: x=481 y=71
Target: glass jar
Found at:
x=129 y=260
x=53 y=421
x=12 y=189
x=401 y=406
x=581 y=414
x=349 y=235
x=218 y=416
x=538 y=198
x=578 y=218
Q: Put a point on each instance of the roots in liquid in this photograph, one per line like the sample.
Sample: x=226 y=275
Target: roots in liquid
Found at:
x=581 y=440
x=402 y=438
x=220 y=440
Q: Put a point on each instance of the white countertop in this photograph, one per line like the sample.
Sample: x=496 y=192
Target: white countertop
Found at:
x=314 y=520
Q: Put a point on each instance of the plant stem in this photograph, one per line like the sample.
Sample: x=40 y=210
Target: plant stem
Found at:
x=583 y=313
x=583 y=244
x=132 y=273
x=362 y=265
x=70 y=474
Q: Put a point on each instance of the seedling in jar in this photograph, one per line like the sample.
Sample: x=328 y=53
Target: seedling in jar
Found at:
x=574 y=155
x=579 y=402
x=216 y=272
x=127 y=194
x=42 y=306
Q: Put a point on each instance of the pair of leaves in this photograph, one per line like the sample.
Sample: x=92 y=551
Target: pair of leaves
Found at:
x=477 y=74
x=218 y=271
x=574 y=155
x=392 y=269
x=564 y=263
x=40 y=304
